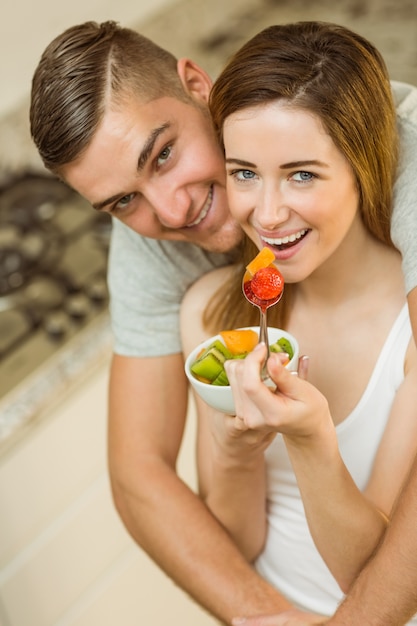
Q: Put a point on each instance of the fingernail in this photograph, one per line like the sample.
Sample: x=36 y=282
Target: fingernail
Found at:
x=238 y=621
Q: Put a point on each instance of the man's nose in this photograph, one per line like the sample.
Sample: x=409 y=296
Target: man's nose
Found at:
x=170 y=205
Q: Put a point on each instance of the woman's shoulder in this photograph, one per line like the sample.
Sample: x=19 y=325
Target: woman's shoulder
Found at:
x=208 y=284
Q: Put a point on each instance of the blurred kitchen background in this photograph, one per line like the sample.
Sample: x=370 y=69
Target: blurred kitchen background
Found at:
x=65 y=558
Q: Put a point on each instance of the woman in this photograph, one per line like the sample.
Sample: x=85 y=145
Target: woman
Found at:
x=305 y=478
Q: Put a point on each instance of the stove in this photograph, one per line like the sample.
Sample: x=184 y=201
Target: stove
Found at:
x=53 y=261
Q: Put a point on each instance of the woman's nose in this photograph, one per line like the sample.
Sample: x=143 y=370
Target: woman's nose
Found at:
x=271 y=209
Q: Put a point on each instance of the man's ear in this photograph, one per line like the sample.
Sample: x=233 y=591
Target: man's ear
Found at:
x=196 y=82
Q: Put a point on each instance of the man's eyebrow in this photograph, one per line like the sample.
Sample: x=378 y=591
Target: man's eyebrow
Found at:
x=98 y=206
x=149 y=145
x=144 y=155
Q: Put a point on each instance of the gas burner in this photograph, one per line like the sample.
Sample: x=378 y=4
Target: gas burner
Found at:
x=32 y=200
x=53 y=263
x=23 y=253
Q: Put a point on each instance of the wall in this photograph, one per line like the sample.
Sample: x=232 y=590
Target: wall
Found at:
x=27 y=26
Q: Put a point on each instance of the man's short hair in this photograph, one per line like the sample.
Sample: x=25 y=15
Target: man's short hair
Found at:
x=83 y=71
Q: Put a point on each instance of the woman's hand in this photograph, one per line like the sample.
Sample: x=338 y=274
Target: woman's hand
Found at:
x=236 y=440
x=295 y=408
x=244 y=435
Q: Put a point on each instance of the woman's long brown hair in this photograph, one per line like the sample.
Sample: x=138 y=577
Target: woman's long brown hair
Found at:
x=341 y=78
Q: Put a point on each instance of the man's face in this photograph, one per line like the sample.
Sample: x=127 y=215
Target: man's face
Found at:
x=158 y=168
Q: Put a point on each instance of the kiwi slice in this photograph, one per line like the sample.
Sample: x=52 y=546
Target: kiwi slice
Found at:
x=282 y=345
x=218 y=345
x=210 y=364
x=221 y=380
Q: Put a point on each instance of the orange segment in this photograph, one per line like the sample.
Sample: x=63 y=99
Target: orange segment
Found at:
x=240 y=341
x=264 y=258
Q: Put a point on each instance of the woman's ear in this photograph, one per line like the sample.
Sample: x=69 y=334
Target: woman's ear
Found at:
x=196 y=82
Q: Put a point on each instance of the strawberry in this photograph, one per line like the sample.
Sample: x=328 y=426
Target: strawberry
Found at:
x=267 y=283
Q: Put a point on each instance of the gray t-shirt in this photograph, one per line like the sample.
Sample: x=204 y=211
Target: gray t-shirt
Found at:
x=148 y=278
x=147 y=281
x=404 y=218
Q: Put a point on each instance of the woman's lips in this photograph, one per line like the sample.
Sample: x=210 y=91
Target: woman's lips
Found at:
x=282 y=243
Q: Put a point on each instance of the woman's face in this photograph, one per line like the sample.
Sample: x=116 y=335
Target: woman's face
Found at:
x=289 y=186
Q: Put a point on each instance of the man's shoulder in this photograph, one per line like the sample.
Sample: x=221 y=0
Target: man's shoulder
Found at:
x=128 y=247
x=125 y=239
x=405 y=97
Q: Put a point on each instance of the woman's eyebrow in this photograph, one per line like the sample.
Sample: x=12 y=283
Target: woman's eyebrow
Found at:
x=240 y=162
x=295 y=164
x=284 y=166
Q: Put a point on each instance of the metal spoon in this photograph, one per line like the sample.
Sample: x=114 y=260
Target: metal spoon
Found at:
x=263 y=305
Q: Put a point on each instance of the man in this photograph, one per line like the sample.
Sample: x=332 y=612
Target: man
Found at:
x=113 y=117
x=127 y=126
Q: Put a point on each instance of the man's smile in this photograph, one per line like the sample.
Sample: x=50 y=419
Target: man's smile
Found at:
x=204 y=210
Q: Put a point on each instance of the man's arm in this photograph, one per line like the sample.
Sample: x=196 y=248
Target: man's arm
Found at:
x=412 y=307
x=148 y=401
x=385 y=594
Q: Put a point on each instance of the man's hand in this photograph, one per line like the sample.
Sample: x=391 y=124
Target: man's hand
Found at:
x=293 y=617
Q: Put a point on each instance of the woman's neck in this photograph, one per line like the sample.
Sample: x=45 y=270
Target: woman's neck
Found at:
x=360 y=266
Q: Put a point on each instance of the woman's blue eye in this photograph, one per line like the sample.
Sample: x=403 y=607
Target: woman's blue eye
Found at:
x=303 y=176
x=244 y=174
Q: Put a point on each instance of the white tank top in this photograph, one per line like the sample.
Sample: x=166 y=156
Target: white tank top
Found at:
x=290 y=560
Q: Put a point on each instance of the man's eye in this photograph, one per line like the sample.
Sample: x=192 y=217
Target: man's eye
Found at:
x=123 y=203
x=164 y=155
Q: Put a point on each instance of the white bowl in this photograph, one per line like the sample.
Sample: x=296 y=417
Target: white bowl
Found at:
x=221 y=398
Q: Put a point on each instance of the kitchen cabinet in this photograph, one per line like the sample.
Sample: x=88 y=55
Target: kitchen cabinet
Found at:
x=65 y=557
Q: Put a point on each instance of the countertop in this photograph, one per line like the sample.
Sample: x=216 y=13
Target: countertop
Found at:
x=42 y=392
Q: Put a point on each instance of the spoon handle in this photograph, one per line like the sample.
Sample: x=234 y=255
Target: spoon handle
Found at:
x=263 y=336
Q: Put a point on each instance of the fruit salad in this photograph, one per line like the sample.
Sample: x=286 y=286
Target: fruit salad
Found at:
x=232 y=344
